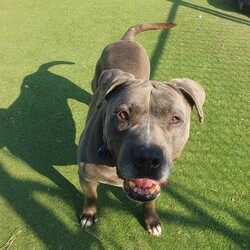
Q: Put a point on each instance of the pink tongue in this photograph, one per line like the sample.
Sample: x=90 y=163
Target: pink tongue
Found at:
x=145 y=182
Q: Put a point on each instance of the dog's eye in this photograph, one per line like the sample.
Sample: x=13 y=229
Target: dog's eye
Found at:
x=174 y=120
x=123 y=116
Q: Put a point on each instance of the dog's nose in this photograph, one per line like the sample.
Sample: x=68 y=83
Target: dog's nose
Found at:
x=148 y=158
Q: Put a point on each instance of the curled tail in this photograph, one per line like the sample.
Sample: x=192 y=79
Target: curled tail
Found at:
x=134 y=30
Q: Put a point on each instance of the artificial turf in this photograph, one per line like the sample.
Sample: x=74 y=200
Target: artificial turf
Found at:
x=48 y=53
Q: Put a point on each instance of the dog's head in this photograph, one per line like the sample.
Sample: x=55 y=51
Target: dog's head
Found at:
x=145 y=127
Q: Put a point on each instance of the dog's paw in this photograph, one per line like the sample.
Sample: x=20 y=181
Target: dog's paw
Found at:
x=153 y=224
x=155 y=229
x=87 y=220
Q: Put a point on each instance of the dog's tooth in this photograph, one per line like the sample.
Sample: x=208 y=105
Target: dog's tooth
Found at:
x=151 y=191
x=155 y=186
x=131 y=184
x=144 y=191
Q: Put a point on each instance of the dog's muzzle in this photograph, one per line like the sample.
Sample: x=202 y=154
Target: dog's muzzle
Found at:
x=143 y=190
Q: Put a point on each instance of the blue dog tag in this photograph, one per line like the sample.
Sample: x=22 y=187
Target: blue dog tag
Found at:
x=102 y=151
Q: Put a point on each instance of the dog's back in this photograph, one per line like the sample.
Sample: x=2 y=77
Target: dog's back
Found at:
x=128 y=55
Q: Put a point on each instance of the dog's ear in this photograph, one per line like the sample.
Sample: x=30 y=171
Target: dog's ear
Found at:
x=109 y=80
x=193 y=92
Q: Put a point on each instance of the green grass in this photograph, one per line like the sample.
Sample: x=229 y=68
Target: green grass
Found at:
x=42 y=113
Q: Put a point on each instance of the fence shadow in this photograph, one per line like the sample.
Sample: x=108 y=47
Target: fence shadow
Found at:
x=216 y=13
x=201 y=219
x=193 y=202
x=162 y=40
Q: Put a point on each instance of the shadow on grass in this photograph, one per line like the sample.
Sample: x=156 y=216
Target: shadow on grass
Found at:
x=230 y=6
x=47 y=225
x=201 y=219
x=39 y=129
x=40 y=219
x=162 y=40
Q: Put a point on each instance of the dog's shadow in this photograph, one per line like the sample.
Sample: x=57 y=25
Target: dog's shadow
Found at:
x=38 y=127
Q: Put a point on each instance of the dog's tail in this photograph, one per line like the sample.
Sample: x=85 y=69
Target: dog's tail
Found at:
x=134 y=30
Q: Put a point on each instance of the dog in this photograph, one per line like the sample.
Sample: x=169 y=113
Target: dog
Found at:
x=135 y=127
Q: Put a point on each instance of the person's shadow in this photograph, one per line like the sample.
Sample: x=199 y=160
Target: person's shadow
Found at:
x=39 y=128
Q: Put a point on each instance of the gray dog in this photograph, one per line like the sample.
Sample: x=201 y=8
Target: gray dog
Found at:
x=135 y=127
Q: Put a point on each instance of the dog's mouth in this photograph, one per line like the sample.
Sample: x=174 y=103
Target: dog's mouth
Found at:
x=143 y=190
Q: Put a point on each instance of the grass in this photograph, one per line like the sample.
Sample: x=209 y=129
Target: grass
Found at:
x=43 y=108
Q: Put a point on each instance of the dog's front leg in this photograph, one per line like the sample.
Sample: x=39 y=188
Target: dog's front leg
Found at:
x=89 y=211
x=151 y=219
